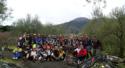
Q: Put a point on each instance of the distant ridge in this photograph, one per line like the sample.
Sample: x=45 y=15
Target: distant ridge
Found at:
x=74 y=26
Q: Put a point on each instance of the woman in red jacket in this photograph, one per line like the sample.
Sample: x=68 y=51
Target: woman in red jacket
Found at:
x=82 y=54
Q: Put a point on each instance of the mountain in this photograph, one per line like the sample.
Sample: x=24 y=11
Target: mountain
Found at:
x=74 y=26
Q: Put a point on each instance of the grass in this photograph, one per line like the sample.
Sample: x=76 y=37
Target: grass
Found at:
x=9 y=60
x=12 y=46
x=122 y=65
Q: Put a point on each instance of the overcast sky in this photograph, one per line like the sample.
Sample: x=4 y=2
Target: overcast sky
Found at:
x=55 y=11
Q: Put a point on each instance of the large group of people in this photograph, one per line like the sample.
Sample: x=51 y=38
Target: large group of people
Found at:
x=37 y=47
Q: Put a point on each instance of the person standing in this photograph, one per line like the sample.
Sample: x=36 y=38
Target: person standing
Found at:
x=97 y=46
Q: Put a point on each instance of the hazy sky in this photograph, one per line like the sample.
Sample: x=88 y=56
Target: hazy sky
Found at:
x=55 y=11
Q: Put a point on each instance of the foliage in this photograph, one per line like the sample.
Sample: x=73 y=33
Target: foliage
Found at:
x=28 y=25
x=5 y=28
x=97 y=3
x=4 y=11
x=110 y=30
x=33 y=25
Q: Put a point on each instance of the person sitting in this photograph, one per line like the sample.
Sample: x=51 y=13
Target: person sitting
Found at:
x=27 y=52
x=50 y=55
x=17 y=53
x=82 y=54
x=33 y=54
x=56 y=52
x=61 y=54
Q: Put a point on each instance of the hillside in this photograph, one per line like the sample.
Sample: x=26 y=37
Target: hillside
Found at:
x=74 y=26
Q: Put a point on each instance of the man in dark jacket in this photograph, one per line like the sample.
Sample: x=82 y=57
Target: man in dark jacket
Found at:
x=97 y=46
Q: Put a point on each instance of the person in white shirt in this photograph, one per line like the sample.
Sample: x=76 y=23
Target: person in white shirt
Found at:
x=33 y=54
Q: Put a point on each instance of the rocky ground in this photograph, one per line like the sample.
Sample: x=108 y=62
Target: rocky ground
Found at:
x=8 y=65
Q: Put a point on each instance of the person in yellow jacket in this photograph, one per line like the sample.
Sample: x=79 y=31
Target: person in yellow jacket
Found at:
x=17 y=53
x=61 y=54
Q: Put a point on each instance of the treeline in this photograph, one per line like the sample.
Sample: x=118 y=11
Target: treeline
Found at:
x=5 y=28
x=110 y=30
x=31 y=25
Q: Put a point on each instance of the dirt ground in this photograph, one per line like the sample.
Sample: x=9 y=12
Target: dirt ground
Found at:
x=54 y=64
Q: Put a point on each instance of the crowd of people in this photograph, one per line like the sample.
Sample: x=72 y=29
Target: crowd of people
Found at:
x=38 y=47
